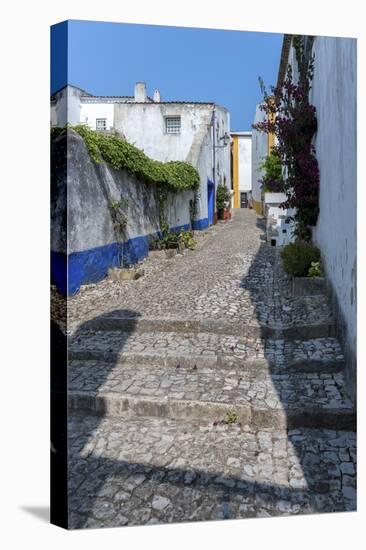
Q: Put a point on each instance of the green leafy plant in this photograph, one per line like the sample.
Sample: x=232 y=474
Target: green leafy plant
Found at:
x=172 y=239
x=231 y=416
x=297 y=257
x=292 y=119
x=222 y=196
x=186 y=237
x=118 y=153
x=272 y=180
x=315 y=270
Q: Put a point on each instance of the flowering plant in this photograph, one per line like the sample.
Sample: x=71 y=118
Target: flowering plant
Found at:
x=292 y=119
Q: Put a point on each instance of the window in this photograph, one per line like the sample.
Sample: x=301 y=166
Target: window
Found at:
x=101 y=124
x=172 y=124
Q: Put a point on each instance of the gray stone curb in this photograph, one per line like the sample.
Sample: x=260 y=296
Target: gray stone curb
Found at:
x=117 y=405
x=218 y=360
x=130 y=324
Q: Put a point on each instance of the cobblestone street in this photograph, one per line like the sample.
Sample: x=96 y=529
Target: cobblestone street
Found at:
x=204 y=390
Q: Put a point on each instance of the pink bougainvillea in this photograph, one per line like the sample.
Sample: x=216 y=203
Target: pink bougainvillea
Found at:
x=292 y=119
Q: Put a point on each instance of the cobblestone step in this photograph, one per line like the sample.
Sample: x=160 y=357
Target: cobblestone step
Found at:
x=208 y=394
x=125 y=471
x=303 y=331
x=207 y=349
x=227 y=362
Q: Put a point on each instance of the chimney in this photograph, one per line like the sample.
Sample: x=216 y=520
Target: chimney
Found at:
x=157 y=97
x=140 y=92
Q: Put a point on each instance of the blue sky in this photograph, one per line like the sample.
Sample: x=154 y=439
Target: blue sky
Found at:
x=185 y=64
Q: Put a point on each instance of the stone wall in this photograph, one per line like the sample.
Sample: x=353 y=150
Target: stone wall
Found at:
x=84 y=242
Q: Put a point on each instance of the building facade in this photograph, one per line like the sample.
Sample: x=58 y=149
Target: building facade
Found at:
x=241 y=147
x=194 y=132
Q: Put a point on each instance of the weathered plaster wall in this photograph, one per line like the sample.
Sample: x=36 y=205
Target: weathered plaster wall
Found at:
x=65 y=109
x=334 y=95
x=144 y=126
x=80 y=212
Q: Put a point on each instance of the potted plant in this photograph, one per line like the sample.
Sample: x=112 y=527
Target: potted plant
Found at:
x=302 y=260
x=223 y=202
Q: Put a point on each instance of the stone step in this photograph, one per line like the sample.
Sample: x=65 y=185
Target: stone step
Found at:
x=300 y=330
x=207 y=349
x=133 y=471
x=209 y=394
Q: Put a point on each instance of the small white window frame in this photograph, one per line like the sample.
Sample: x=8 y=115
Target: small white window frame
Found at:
x=97 y=124
x=173 y=124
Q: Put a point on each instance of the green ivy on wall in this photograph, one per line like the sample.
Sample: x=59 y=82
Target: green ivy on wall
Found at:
x=118 y=153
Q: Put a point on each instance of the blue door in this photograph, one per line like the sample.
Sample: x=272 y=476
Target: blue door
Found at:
x=210 y=201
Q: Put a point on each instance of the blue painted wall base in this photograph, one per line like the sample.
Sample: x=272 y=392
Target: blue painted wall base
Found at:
x=68 y=273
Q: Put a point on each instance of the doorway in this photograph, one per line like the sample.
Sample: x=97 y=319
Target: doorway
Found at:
x=210 y=201
x=243 y=200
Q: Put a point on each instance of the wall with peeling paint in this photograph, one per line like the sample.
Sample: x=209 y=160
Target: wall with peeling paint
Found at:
x=84 y=242
x=334 y=96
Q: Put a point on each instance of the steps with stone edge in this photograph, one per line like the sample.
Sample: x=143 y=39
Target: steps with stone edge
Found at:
x=291 y=384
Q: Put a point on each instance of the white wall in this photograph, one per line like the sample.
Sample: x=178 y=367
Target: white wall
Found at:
x=144 y=126
x=89 y=112
x=333 y=94
x=245 y=162
x=66 y=108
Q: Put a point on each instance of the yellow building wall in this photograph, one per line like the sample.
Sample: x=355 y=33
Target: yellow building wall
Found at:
x=257 y=206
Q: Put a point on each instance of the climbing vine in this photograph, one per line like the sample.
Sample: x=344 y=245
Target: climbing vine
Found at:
x=292 y=119
x=118 y=153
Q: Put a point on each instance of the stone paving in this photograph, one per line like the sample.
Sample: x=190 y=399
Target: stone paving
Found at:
x=230 y=274
x=278 y=352
x=210 y=384
x=159 y=450
x=146 y=471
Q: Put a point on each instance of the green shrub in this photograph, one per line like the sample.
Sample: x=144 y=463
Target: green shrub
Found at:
x=315 y=270
x=272 y=180
x=231 y=416
x=222 y=196
x=172 y=239
x=186 y=237
x=116 y=151
x=298 y=256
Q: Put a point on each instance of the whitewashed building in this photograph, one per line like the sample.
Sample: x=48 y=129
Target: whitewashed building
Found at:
x=194 y=132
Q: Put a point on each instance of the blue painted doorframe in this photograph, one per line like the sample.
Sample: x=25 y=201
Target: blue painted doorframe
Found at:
x=210 y=201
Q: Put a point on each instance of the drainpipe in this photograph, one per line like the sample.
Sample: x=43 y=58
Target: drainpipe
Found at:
x=214 y=159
